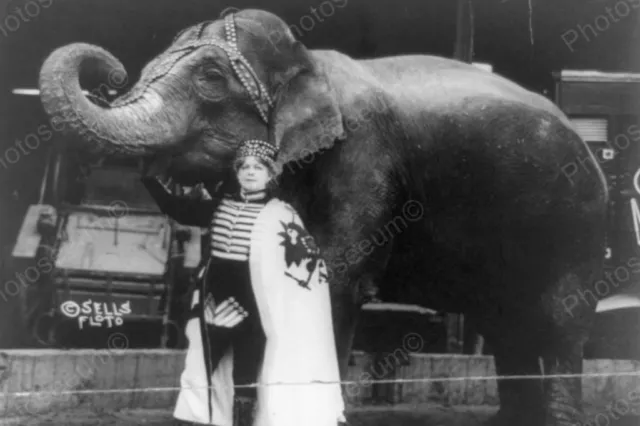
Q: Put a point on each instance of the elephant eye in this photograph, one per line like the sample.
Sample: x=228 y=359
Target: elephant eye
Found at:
x=211 y=73
x=210 y=82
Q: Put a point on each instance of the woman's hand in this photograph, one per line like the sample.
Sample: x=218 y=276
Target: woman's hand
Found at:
x=228 y=314
x=154 y=175
x=197 y=192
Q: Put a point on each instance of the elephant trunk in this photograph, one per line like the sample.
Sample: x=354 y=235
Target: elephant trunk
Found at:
x=139 y=125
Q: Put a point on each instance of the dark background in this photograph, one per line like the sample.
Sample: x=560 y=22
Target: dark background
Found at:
x=522 y=39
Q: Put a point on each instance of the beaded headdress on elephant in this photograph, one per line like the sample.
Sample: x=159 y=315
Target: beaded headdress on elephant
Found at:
x=243 y=69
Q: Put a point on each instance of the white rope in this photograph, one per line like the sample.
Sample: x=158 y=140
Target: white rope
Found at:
x=352 y=382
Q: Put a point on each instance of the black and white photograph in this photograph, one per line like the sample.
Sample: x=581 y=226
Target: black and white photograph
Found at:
x=320 y=212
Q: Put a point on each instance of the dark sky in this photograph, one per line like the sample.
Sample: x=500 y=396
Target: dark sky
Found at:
x=136 y=30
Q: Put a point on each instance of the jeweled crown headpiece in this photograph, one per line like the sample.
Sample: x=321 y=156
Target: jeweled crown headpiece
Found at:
x=257 y=148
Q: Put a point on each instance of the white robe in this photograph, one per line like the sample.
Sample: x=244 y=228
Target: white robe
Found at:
x=300 y=346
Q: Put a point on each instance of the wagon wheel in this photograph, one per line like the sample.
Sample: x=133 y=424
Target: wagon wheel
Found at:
x=39 y=317
x=44 y=329
x=36 y=314
x=52 y=333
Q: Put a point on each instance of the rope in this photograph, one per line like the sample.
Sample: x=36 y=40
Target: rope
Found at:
x=347 y=382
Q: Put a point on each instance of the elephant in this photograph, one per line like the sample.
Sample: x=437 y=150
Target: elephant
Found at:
x=435 y=181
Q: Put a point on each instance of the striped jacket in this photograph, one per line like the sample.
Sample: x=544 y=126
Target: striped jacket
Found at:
x=231 y=225
x=229 y=218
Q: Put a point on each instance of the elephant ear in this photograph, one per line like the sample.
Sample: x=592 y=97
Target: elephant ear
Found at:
x=306 y=117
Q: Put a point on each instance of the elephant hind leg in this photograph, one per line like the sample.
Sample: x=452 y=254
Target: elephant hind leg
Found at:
x=563 y=396
x=521 y=400
x=563 y=349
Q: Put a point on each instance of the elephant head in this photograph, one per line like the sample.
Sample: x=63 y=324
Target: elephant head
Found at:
x=240 y=77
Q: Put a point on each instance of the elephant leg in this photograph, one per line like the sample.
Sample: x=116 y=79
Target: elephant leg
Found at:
x=345 y=321
x=520 y=399
x=351 y=280
x=563 y=350
x=563 y=396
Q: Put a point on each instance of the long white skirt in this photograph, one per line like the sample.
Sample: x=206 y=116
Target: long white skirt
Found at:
x=192 y=404
x=299 y=381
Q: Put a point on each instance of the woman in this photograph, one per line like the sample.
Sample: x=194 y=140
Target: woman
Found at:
x=267 y=312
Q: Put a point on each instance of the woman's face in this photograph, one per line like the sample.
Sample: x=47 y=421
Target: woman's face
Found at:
x=253 y=175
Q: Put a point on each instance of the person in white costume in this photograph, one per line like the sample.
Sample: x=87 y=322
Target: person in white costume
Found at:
x=261 y=322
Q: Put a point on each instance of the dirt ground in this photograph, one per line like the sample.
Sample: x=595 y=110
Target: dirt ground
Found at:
x=369 y=416
x=378 y=416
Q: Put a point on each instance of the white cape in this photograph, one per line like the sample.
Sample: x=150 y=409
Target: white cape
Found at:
x=300 y=352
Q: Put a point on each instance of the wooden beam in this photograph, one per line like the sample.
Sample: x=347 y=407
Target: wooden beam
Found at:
x=59 y=376
x=463 y=51
x=464 y=31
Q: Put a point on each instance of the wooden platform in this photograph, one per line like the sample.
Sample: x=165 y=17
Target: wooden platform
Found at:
x=399 y=415
x=141 y=379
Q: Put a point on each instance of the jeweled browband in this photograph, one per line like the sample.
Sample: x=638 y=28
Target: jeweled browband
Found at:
x=241 y=66
x=247 y=76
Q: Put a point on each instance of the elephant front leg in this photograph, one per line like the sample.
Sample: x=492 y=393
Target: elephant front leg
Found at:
x=349 y=281
x=521 y=401
x=346 y=313
x=563 y=396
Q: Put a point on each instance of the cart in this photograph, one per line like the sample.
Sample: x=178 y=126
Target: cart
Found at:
x=108 y=262
x=605 y=110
